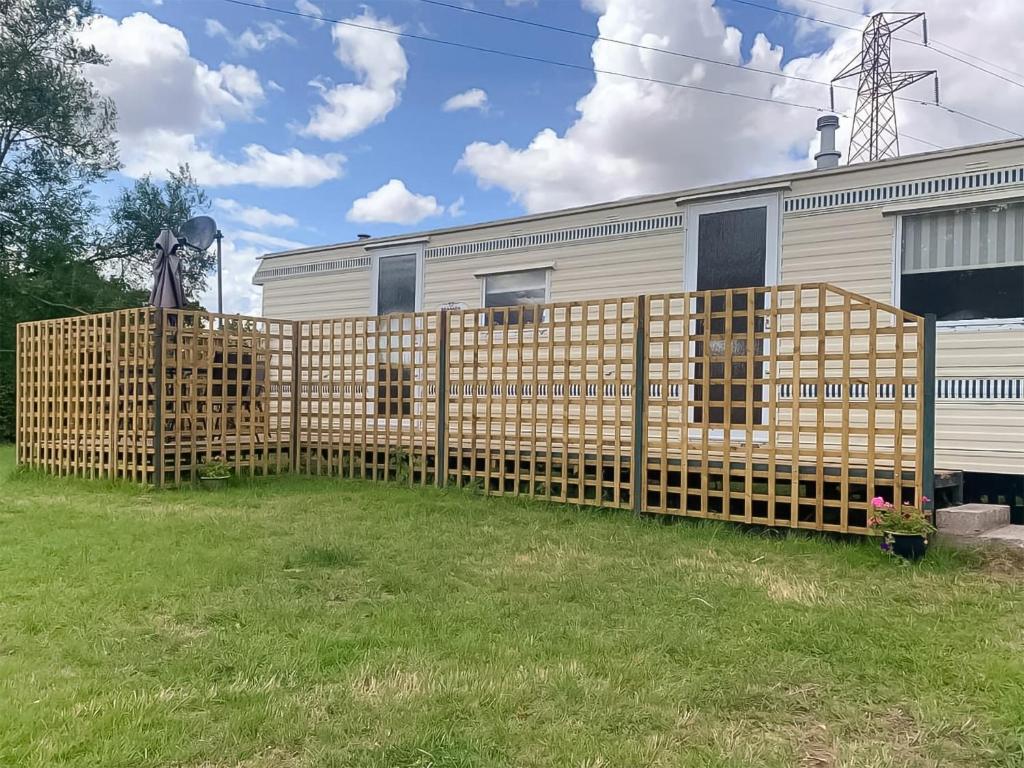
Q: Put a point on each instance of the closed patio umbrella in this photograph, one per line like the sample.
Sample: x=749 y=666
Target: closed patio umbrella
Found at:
x=167 y=291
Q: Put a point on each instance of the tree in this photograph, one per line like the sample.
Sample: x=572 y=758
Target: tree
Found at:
x=55 y=128
x=136 y=218
x=56 y=138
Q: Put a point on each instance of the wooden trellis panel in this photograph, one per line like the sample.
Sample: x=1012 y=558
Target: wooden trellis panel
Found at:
x=368 y=397
x=84 y=395
x=787 y=405
x=225 y=393
x=135 y=395
x=540 y=400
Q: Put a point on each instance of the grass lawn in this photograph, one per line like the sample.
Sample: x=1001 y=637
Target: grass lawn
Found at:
x=299 y=622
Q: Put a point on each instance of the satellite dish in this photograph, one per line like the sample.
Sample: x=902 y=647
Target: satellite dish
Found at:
x=199 y=232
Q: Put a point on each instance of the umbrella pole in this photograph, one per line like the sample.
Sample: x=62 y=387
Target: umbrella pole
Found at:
x=220 y=288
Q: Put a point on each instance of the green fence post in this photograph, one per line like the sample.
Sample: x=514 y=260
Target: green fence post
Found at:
x=638 y=467
x=928 y=428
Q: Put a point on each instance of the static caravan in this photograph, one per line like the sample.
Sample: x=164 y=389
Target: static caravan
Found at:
x=940 y=233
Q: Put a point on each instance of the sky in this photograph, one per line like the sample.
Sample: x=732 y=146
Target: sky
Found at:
x=307 y=132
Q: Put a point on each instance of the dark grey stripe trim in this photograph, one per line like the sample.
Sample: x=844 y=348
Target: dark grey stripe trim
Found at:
x=1005 y=177
x=556 y=237
x=313 y=268
x=945 y=389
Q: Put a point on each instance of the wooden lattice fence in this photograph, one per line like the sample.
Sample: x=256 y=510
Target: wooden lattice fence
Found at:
x=785 y=406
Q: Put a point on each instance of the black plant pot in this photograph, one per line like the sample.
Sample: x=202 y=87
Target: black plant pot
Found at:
x=909 y=546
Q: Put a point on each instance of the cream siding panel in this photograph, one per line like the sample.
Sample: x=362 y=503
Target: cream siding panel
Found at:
x=979 y=435
x=623 y=267
x=977 y=352
x=332 y=295
x=848 y=248
x=487 y=231
x=982 y=436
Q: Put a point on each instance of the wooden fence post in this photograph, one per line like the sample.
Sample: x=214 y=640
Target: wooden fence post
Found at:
x=159 y=371
x=639 y=460
x=293 y=448
x=928 y=427
x=441 y=449
x=114 y=399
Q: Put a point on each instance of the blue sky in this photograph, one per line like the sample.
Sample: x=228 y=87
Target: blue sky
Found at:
x=201 y=80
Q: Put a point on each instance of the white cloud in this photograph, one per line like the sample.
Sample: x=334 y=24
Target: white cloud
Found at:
x=633 y=137
x=251 y=40
x=269 y=241
x=240 y=257
x=310 y=9
x=253 y=215
x=378 y=59
x=273 y=85
x=394 y=204
x=155 y=151
x=474 y=98
x=170 y=105
x=458 y=208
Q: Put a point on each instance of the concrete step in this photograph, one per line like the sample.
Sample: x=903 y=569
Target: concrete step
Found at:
x=972 y=519
x=1007 y=534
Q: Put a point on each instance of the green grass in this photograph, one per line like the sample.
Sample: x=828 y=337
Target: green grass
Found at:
x=303 y=622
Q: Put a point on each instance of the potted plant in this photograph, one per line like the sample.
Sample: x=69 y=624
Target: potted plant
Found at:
x=214 y=473
x=905 y=528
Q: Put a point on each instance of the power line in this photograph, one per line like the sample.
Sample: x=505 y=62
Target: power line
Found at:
x=939 y=51
x=569 y=65
x=640 y=46
x=681 y=54
x=933 y=40
x=922 y=141
x=525 y=57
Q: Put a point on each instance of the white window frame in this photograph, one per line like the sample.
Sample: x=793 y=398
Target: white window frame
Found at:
x=772 y=202
x=384 y=252
x=773 y=230
x=945 y=326
x=483 y=275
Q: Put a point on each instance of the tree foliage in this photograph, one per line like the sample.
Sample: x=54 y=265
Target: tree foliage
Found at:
x=136 y=218
x=57 y=140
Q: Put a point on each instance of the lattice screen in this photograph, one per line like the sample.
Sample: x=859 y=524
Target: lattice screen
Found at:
x=788 y=405
x=368 y=397
x=540 y=400
x=84 y=395
x=785 y=406
x=226 y=393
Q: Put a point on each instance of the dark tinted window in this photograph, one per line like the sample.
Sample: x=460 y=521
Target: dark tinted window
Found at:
x=513 y=289
x=965 y=294
x=396 y=284
x=731 y=249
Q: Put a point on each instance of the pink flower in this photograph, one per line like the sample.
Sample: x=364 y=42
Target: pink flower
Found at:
x=877 y=502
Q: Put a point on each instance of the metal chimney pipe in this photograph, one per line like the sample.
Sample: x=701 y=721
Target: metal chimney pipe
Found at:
x=828 y=156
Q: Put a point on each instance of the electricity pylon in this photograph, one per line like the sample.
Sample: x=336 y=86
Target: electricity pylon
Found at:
x=875 y=135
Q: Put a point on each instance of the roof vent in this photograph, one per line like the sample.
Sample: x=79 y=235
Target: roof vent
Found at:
x=363 y=236
x=828 y=156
